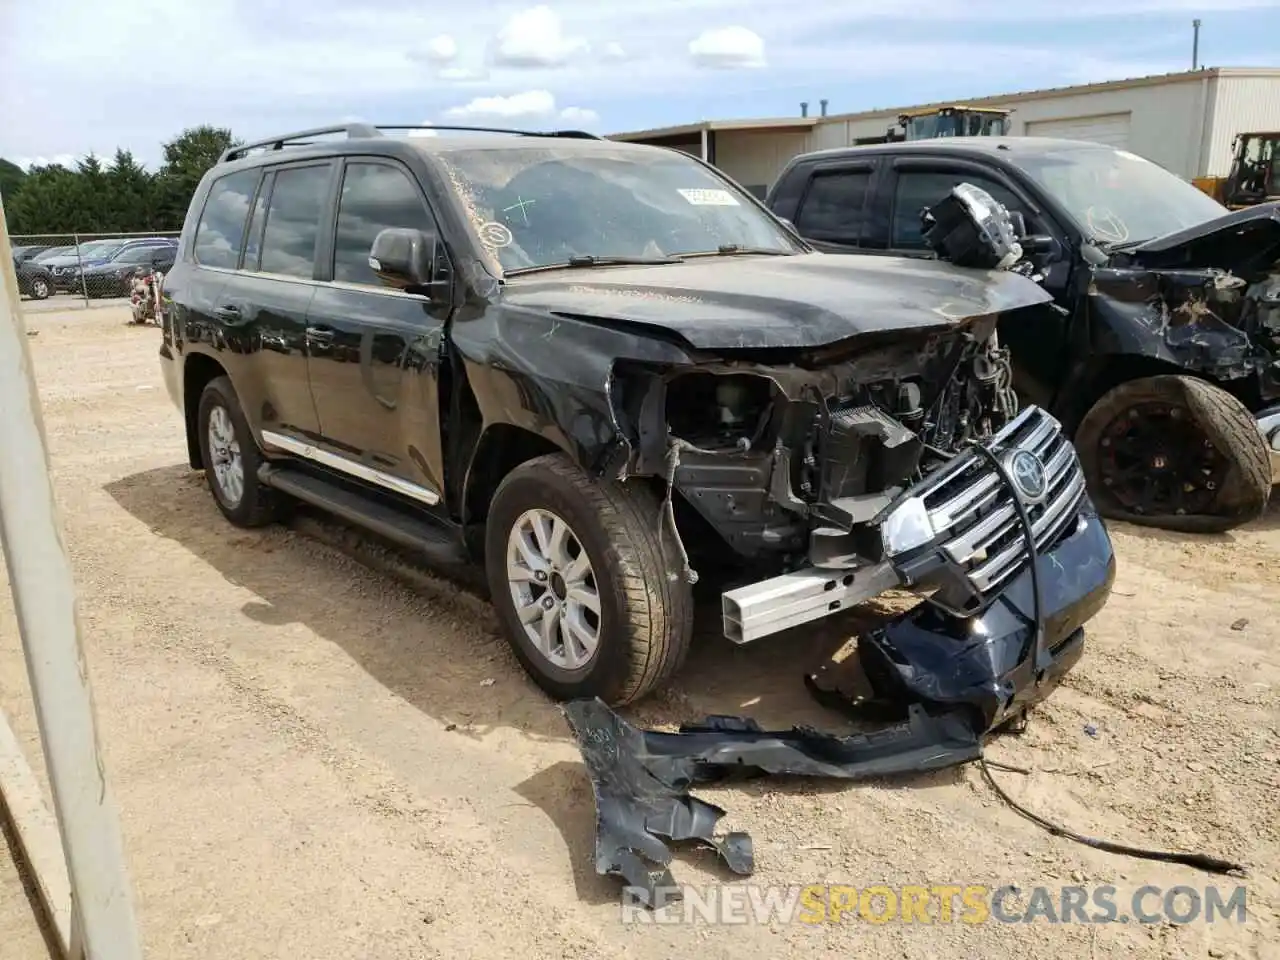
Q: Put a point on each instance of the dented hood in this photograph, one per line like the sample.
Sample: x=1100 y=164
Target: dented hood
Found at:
x=1236 y=241
x=753 y=302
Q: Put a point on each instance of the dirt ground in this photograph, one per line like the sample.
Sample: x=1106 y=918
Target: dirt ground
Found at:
x=313 y=758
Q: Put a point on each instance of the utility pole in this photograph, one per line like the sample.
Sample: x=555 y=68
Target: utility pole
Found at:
x=1195 y=44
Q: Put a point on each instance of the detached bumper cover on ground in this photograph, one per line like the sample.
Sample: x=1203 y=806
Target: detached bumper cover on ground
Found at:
x=953 y=679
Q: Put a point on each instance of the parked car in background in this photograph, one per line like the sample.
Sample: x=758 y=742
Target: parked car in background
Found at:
x=1161 y=356
x=53 y=253
x=66 y=270
x=34 y=280
x=27 y=251
x=114 y=278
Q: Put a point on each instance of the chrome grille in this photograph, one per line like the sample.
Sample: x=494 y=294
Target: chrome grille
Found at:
x=973 y=508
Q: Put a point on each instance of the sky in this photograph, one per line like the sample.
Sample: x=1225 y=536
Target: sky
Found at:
x=134 y=73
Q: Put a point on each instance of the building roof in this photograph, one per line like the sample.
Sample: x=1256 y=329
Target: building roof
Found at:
x=892 y=113
x=771 y=125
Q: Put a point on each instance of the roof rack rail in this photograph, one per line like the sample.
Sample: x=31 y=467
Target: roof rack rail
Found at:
x=361 y=131
x=572 y=134
x=299 y=139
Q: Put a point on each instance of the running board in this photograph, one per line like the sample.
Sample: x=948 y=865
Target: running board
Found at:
x=773 y=605
x=418 y=534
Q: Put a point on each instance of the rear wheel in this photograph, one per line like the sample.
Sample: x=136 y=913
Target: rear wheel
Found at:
x=1175 y=452
x=577 y=573
x=231 y=458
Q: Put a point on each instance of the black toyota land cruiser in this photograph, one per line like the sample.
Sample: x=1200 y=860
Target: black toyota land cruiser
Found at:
x=601 y=369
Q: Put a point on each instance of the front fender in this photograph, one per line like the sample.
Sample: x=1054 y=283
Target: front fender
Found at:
x=552 y=376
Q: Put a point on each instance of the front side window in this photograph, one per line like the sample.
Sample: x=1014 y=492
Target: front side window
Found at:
x=918 y=189
x=220 y=232
x=293 y=220
x=374 y=197
x=544 y=206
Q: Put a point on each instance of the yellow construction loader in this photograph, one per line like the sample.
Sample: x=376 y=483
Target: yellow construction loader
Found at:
x=952 y=120
x=1254 y=176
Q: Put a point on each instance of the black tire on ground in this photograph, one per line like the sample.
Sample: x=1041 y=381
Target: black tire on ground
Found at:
x=646 y=606
x=40 y=288
x=258 y=505
x=1221 y=419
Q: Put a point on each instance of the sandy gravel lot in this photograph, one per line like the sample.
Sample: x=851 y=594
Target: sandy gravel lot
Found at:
x=313 y=758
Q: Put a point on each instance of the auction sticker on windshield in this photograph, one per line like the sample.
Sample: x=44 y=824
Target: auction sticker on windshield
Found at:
x=710 y=198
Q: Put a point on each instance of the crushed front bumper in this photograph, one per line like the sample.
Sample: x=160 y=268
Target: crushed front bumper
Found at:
x=1269 y=427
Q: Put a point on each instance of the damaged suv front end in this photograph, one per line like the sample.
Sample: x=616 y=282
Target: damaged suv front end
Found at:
x=816 y=430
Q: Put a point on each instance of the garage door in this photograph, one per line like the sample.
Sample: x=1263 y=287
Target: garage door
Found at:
x=1111 y=129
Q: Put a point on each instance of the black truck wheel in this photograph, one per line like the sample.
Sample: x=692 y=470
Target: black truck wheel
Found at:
x=231 y=458
x=1175 y=452
x=40 y=288
x=577 y=574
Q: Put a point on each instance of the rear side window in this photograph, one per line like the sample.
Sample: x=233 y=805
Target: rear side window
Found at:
x=293 y=220
x=220 y=233
x=375 y=196
x=834 y=208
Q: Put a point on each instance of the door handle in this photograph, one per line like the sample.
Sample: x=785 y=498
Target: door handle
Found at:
x=229 y=315
x=320 y=334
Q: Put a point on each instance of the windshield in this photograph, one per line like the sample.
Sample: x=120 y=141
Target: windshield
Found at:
x=100 y=249
x=547 y=205
x=1118 y=197
x=136 y=254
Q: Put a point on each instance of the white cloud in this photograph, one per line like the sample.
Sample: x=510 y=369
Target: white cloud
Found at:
x=727 y=48
x=442 y=49
x=463 y=74
x=67 y=160
x=613 y=51
x=580 y=116
x=535 y=38
x=531 y=103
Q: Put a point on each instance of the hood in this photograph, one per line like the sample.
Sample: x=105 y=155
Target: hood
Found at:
x=73 y=262
x=806 y=300
x=1239 y=241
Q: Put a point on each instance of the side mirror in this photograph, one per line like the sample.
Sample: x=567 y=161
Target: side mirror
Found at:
x=1039 y=243
x=403 y=258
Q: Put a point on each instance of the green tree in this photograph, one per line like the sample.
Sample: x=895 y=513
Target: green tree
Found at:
x=130 y=200
x=187 y=158
x=11 y=177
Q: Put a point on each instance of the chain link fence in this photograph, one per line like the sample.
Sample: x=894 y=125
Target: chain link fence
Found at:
x=58 y=271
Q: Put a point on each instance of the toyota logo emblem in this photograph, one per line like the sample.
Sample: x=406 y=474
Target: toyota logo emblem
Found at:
x=1029 y=476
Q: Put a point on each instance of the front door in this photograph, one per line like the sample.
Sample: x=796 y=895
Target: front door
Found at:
x=374 y=352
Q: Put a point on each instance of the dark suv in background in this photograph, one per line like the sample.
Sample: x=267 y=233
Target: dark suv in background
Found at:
x=603 y=369
x=1161 y=355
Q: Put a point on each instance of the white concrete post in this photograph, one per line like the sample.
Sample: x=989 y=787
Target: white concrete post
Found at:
x=44 y=596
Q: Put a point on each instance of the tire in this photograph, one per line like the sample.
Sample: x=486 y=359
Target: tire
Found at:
x=40 y=288
x=257 y=505
x=1243 y=483
x=645 y=618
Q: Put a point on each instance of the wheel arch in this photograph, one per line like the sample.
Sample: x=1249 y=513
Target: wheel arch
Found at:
x=1106 y=372
x=198 y=369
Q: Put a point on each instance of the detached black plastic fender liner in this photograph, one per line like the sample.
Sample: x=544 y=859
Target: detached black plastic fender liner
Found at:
x=641 y=778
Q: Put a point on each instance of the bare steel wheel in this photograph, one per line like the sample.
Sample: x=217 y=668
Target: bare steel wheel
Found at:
x=224 y=454
x=589 y=600
x=554 y=589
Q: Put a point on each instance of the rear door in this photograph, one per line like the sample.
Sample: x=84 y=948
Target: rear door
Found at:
x=264 y=304
x=374 y=351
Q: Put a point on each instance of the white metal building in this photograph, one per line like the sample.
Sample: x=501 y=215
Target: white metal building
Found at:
x=1183 y=121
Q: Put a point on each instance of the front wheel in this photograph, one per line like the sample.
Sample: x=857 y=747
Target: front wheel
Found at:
x=577 y=572
x=40 y=288
x=1175 y=452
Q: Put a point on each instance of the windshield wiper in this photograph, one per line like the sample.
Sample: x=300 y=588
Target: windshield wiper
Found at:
x=739 y=250
x=589 y=260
